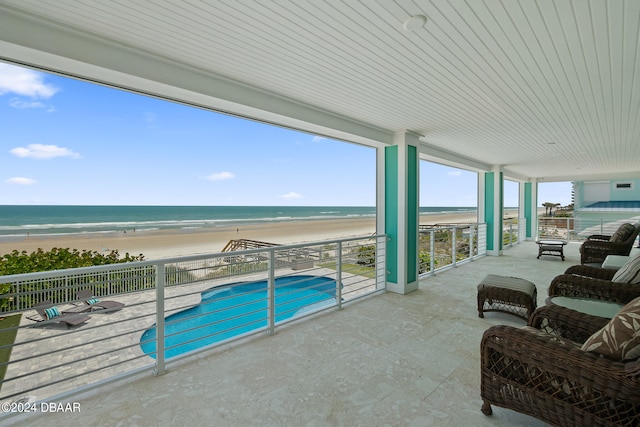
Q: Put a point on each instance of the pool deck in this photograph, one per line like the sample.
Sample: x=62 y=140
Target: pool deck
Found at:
x=108 y=345
x=411 y=360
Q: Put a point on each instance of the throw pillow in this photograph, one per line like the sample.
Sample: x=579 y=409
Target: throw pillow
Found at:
x=52 y=312
x=629 y=272
x=620 y=338
x=93 y=301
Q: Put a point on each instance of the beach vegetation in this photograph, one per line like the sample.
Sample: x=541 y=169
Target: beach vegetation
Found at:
x=366 y=255
x=59 y=259
x=509 y=238
x=175 y=275
x=441 y=250
x=355 y=269
x=56 y=259
x=236 y=269
x=424 y=262
x=328 y=250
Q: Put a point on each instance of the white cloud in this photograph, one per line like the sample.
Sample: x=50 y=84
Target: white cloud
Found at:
x=454 y=173
x=19 y=180
x=318 y=138
x=21 y=105
x=220 y=176
x=24 y=82
x=291 y=195
x=41 y=151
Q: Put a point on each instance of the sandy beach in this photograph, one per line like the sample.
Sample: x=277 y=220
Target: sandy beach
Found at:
x=172 y=243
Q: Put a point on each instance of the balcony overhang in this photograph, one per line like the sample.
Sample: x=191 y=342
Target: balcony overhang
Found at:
x=39 y=44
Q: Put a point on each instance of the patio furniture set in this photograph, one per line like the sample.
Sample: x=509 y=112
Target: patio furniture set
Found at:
x=577 y=362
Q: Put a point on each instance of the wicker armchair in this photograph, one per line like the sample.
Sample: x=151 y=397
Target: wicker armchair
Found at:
x=564 y=322
x=591 y=282
x=549 y=377
x=596 y=248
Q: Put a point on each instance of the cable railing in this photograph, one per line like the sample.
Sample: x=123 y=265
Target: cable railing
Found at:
x=579 y=228
x=442 y=246
x=513 y=231
x=172 y=309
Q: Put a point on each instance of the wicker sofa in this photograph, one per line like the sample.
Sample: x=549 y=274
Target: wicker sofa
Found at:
x=599 y=283
x=596 y=248
x=541 y=371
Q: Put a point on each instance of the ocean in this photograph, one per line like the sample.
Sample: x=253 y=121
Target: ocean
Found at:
x=22 y=220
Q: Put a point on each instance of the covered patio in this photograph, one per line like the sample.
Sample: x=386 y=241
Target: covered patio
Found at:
x=392 y=359
x=523 y=90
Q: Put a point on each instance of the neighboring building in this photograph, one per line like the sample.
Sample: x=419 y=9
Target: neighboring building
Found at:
x=601 y=206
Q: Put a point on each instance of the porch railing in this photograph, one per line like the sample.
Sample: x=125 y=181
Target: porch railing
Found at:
x=570 y=228
x=512 y=231
x=47 y=359
x=441 y=246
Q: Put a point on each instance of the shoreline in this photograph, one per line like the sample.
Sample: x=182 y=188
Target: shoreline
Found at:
x=184 y=242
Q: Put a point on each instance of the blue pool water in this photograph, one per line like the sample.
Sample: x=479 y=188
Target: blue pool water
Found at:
x=228 y=311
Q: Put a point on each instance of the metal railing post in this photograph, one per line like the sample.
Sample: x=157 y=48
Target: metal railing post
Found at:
x=271 y=294
x=432 y=255
x=381 y=262
x=160 y=332
x=510 y=233
x=339 y=277
x=454 y=251
x=66 y=289
x=471 y=240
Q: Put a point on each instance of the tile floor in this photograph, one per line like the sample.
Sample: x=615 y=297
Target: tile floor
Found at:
x=388 y=360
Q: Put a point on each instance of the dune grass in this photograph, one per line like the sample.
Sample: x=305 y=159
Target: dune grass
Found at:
x=357 y=269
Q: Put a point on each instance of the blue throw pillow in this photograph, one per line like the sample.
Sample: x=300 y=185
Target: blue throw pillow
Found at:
x=93 y=301
x=52 y=312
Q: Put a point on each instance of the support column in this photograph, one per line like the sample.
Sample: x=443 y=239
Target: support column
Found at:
x=529 y=203
x=493 y=210
x=398 y=210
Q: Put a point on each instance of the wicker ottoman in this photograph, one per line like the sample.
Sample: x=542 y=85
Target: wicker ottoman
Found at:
x=507 y=294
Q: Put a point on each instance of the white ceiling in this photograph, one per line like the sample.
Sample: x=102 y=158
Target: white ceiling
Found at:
x=544 y=89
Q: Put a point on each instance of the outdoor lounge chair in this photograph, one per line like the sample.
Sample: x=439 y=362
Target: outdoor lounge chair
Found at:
x=596 y=248
x=94 y=304
x=48 y=312
x=559 y=380
x=584 y=281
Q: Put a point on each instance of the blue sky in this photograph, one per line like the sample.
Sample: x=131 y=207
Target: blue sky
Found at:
x=69 y=142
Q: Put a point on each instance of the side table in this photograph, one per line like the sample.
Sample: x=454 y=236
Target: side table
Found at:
x=551 y=247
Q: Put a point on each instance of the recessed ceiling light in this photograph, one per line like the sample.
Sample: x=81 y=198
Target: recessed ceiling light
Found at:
x=414 y=23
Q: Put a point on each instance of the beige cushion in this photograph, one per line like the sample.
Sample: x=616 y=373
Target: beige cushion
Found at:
x=622 y=233
x=629 y=272
x=620 y=338
x=507 y=282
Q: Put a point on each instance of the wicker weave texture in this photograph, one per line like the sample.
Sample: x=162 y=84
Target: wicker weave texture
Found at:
x=519 y=303
x=571 y=285
x=596 y=248
x=555 y=381
x=589 y=271
x=566 y=323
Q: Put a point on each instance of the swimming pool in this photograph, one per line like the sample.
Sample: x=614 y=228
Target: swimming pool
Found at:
x=231 y=310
